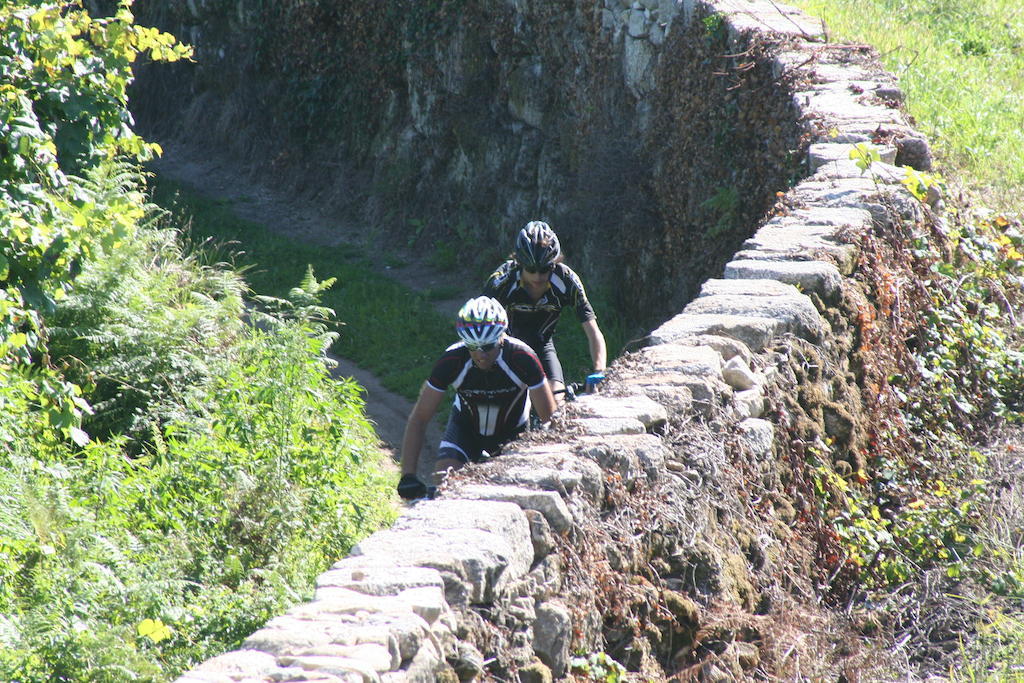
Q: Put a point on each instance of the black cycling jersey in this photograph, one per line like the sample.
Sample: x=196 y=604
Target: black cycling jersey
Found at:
x=534 y=321
x=493 y=402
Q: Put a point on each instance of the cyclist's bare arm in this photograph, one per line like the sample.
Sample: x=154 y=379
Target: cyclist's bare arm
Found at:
x=598 y=351
x=416 y=427
x=543 y=401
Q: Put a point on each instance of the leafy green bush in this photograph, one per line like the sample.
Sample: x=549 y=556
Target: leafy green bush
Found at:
x=140 y=329
x=63 y=111
x=224 y=522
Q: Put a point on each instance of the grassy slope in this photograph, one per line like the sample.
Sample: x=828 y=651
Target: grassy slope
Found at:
x=386 y=328
x=961 y=64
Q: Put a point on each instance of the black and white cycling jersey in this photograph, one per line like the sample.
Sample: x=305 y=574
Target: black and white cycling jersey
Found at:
x=494 y=402
x=534 y=321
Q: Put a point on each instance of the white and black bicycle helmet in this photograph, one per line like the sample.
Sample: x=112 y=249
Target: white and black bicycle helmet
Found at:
x=537 y=246
x=481 y=321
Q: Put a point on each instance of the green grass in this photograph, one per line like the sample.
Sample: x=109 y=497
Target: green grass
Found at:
x=386 y=328
x=961 y=65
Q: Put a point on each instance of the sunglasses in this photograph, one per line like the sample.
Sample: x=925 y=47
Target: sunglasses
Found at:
x=481 y=347
x=534 y=270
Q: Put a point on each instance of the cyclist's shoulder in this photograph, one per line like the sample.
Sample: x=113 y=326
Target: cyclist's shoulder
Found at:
x=502 y=274
x=520 y=355
x=455 y=355
x=564 y=278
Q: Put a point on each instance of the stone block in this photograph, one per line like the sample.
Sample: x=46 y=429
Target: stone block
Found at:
x=377 y=657
x=843 y=106
x=780 y=240
x=682 y=359
x=723 y=346
x=553 y=469
x=810 y=276
x=749 y=403
x=640 y=408
x=610 y=425
x=758 y=434
x=284 y=635
x=346 y=669
x=427 y=602
x=760 y=16
x=502 y=518
x=838 y=192
x=551 y=634
x=547 y=503
x=429 y=665
x=383 y=579
x=845 y=169
x=233 y=666
x=821 y=153
x=482 y=561
x=638 y=66
x=852 y=218
x=737 y=375
x=681 y=392
x=715 y=287
x=540 y=534
x=795 y=313
x=678 y=400
x=913 y=151
x=755 y=331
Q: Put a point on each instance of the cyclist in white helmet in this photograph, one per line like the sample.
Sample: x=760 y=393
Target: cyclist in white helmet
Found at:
x=496 y=380
x=534 y=285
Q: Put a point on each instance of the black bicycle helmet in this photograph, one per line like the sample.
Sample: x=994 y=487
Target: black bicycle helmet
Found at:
x=537 y=246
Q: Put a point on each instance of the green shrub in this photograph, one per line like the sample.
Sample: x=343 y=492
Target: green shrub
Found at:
x=140 y=329
x=226 y=520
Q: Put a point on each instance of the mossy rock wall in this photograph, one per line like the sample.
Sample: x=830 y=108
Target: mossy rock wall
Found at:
x=648 y=142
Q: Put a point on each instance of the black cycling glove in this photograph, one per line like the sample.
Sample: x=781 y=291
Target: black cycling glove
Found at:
x=410 y=487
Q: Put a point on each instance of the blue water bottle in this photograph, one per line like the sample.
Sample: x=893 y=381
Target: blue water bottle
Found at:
x=592 y=381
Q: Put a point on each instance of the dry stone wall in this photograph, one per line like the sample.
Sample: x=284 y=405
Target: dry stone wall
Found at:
x=489 y=576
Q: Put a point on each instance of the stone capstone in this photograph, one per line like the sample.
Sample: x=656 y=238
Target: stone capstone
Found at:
x=481 y=559
x=794 y=312
x=552 y=469
x=548 y=503
x=754 y=331
x=649 y=414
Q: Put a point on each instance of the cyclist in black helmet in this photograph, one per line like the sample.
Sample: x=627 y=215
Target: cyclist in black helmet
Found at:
x=534 y=286
x=496 y=380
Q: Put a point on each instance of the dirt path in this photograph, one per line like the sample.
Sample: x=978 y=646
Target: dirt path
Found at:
x=286 y=214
